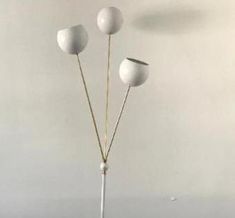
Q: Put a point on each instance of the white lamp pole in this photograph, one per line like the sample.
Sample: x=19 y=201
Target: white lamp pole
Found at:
x=104 y=168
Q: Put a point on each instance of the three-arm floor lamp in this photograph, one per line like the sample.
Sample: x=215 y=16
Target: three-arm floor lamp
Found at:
x=73 y=40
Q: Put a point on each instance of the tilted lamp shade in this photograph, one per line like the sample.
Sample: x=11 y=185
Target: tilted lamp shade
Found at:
x=109 y=20
x=133 y=72
x=72 y=40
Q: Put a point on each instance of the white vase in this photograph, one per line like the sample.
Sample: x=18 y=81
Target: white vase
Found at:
x=72 y=40
x=133 y=72
x=109 y=20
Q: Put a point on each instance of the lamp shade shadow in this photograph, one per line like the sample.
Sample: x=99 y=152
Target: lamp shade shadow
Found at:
x=170 y=20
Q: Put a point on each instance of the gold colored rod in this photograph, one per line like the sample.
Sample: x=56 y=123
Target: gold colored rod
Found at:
x=107 y=96
x=91 y=110
x=117 y=123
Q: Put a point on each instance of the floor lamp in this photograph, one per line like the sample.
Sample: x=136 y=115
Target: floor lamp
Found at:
x=133 y=72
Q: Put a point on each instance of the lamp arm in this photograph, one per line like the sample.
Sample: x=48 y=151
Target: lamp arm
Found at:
x=107 y=96
x=91 y=110
x=118 y=121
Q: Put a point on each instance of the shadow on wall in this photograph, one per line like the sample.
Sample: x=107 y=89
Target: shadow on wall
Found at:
x=170 y=20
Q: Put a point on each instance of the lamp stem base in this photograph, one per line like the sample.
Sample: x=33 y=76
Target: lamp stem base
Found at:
x=104 y=168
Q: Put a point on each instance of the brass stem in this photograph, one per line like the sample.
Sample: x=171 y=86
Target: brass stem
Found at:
x=107 y=96
x=91 y=110
x=117 y=122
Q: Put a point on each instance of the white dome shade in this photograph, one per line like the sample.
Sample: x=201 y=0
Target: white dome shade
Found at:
x=133 y=72
x=109 y=20
x=72 y=40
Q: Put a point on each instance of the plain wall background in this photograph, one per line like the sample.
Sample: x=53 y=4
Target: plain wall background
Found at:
x=176 y=137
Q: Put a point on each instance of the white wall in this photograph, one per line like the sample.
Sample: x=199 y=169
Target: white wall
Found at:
x=182 y=143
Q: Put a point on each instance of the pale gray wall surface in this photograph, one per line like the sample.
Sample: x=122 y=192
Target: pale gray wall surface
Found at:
x=176 y=137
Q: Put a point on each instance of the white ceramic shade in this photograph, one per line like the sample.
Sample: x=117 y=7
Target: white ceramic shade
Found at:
x=133 y=72
x=72 y=40
x=109 y=20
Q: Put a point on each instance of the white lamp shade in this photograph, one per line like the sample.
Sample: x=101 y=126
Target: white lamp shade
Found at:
x=109 y=20
x=133 y=72
x=72 y=40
